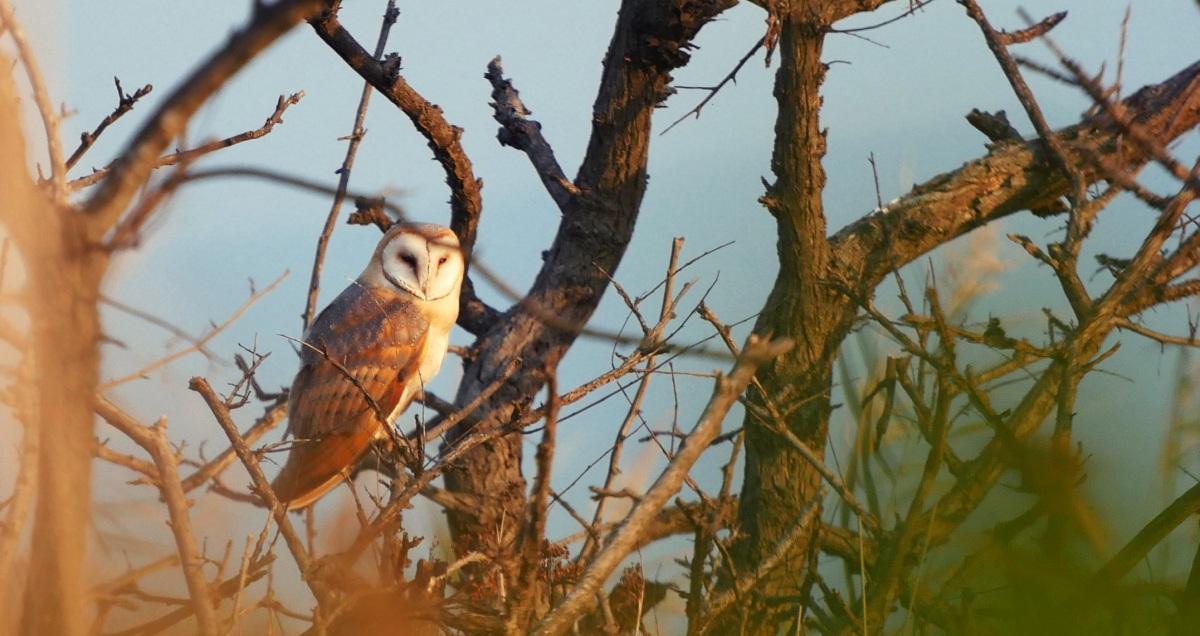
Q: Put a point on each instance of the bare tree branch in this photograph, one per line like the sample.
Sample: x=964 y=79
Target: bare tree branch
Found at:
x=199 y=344
x=1009 y=179
x=524 y=134
x=184 y=157
x=125 y=103
x=725 y=393
x=41 y=97
x=267 y=24
x=263 y=487
x=154 y=440
x=356 y=136
x=444 y=139
x=1132 y=553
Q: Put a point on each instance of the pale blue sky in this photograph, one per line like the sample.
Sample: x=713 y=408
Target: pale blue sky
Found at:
x=902 y=95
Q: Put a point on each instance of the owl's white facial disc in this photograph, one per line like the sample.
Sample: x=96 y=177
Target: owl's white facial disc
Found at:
x=422 y=259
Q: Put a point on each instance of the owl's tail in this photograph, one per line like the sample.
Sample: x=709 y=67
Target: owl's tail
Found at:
x=315 y=466
x=297 y=491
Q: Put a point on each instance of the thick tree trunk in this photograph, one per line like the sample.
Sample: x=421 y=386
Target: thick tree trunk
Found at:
x=61 y=291
x=795 y=388
x=650 y=40
x=65 y=284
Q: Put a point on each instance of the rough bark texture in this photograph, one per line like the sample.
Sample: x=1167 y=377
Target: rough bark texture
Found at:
x=649 y=41
x=807 y=301
x=778 y=482
x=1012 y=177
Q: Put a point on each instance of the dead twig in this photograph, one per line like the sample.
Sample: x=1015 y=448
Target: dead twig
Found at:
x=534 y=530
x=263 y=488
x=198 y=345
x=524 y=134
x=466 y=202
x=41 y=97
x=713 y=90
x=125 y=103
x=725 y=393
x=155 y=442
x=719 y=603
x=128 y=173
x=355 y=138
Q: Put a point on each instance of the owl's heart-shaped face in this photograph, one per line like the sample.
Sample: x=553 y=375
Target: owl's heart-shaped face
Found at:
x=421 y=259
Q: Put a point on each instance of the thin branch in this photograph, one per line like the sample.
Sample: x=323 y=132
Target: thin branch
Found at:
x=41 y=97
x=998 y=42
x=712 y=92
x=197 y=345
x=1161 y=338
x=466 y=202
x=614 y=461
x=125 y=103
x=136 y=464
x=282 y=179
x=911 y=10
x=156 y=443
x=209 y=470
x=154 y=320
x=1180 y=510
x=1008 y=180
x=1147 y=140
x=832 y=479
x=534 y=529
x=725 y=393
x=267 y=24
x=718 y=603
x=439 y=427
x=184 y=157
x=1032 y=32
x=115 y=585
x=23 y=491
x=257 y=570
x=356 y=136
x=263 y=488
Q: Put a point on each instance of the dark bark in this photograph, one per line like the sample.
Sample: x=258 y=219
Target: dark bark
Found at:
x=649 y=41
x=794 y=387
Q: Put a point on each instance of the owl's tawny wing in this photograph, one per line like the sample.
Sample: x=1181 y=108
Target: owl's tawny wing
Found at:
x=373 y=336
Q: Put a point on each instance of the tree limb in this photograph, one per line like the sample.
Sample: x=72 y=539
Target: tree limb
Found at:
x=129 y=171
x=1009 y=179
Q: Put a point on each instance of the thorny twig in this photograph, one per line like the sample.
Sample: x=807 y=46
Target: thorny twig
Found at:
x=188 y=156
x=712 y=91
x=125 y=103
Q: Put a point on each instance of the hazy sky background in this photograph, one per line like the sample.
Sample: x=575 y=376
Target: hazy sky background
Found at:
x=899 y=92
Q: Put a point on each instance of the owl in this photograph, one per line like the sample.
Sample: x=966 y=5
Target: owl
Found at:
x=385 y=335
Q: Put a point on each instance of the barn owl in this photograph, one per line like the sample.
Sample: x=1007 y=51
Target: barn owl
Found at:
x=389 y=331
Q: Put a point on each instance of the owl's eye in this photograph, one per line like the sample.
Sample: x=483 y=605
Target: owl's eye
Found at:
x=442 y=261
x=409 y=260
